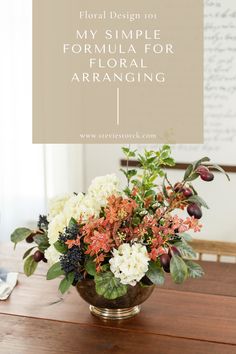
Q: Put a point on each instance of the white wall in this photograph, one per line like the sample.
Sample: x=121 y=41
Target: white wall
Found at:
x=219 y=221
x=64 y=172
x=22 y=192
x=29 y=174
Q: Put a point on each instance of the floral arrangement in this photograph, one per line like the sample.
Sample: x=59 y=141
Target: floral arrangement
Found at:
x=121 y=237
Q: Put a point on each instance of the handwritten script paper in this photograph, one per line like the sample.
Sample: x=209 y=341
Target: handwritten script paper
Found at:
x=219 y=86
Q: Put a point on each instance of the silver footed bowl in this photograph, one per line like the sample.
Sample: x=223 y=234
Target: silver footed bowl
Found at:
x=123 y=307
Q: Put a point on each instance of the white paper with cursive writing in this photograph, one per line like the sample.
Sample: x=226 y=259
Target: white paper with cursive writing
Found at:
x=219 y=86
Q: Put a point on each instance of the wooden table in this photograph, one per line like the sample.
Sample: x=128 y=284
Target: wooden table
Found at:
x=198 y=317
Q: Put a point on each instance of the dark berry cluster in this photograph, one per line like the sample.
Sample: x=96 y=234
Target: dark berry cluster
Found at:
x=43 y=222
x=73 y=261
x=70 y=233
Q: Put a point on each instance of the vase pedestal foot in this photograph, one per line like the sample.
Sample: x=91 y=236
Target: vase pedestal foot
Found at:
x=114 y=314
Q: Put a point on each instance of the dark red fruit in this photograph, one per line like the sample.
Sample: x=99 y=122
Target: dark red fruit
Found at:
x=29 y=239
x=202 y=169
x=165 y=262
x=178 y=187
x=174 y=251
x=207 y=176
x=187 y=192
x=38 y=256
x=194 y=210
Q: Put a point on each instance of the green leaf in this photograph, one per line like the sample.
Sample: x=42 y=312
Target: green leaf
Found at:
x=105 y=267
x=188 y=172
x=149 y=193
x=128 y=152
x=164 y=156
x=72 y=223
x=136 y=221
x=28 y=252
x=42 y=241
x=20 y=234
x=194 y=269
x=60 y=247
x=151 y=159
x=127 y=191
x=178 y=269
x=125 y=150
x=193 y=189
x=169 y=161
x=108 y=286
x=55 y=271
x=155 y=273
x=164 y=189
x=198 y=200
x=131 y=173
x=199 y=162
x=66 y=282
x=185 y=249
x=166 y=147
x=30 y=266
x=219 y=168
x=90 y=267
x=161 y=173
x=192 y=177
x=124 y=171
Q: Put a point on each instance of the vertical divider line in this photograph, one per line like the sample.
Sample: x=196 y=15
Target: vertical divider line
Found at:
x=118 y=106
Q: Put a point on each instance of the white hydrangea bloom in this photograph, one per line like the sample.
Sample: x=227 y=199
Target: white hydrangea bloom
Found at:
x=72 y=207
x=129 y=263
x=104 y=186
x=81 y=206
x=56 y=226
x=56 y=205
x=89 y=207
x=52 y=255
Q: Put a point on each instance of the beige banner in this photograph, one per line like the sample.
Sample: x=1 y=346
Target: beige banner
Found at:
x=117 y=72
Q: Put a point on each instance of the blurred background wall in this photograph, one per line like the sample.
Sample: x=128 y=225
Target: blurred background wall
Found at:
x=29 y=174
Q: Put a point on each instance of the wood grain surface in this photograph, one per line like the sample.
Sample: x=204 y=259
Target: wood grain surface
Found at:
x=186 y=314
x=198 y=317
x=57 y=337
